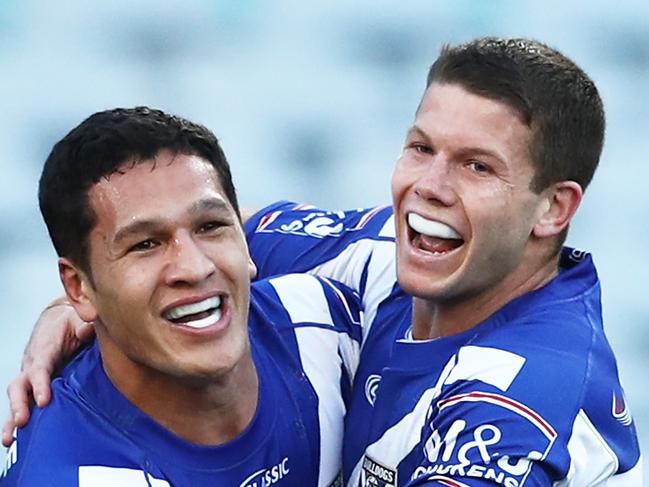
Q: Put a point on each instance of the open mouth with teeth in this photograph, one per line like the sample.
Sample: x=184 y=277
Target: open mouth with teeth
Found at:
x=197 y=315
x=432 y=236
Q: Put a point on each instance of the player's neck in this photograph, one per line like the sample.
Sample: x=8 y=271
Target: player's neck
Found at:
x=446 y=317
x=205 y=413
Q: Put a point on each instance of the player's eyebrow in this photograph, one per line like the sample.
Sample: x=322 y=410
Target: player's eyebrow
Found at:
x=147 y=226
x=210 y=204
x=415 y=130
x=135 y=228
x=469 y=150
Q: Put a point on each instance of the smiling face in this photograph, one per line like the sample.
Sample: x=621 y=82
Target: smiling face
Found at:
x=170 y=271
x=465 y=213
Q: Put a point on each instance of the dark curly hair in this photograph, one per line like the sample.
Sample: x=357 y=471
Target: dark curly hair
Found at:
x=97 y=147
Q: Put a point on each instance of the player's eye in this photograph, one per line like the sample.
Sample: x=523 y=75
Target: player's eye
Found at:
x=211 y=226
x=422 y=148
x=479 y=167
x=144 y=245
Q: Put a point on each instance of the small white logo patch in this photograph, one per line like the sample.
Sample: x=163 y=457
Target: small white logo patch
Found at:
x=371 y=385
x=376 y=475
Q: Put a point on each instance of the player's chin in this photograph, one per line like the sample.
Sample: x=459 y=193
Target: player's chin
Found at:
x=202 y=374
x=202 y=365
x=416 y=282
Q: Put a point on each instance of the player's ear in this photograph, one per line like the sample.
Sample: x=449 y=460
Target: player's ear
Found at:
x=78 y=288
x=559 y=205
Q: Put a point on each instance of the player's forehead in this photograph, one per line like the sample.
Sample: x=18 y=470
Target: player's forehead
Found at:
x=453 y=119
x=166 y=187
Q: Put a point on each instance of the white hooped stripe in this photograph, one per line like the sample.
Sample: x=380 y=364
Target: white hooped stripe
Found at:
x=318 y=349
x=592 y=461
x=388 y=229
x=492 y=366
x=303 y=298
x=381 y=278
x=101 y=476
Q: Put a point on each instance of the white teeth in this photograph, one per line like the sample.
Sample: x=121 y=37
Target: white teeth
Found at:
x=193 y=308
x=205 y=322
x=431 y=228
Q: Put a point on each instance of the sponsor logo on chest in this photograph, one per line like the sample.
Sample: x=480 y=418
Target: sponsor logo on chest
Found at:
x=478 y=449
x=266 y=477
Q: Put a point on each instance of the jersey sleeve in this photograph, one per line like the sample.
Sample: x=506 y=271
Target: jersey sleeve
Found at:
x=323 y=319
x=69 y=444
x=287 y=237
x=33 y=459
x=14 y=464
x=355 y=248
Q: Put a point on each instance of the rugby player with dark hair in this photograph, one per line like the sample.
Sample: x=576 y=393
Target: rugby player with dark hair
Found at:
x=484 y=359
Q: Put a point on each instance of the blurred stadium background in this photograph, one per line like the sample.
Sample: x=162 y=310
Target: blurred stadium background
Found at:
x=311 y=101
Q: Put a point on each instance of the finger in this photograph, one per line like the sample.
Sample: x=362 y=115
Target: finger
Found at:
x=39 y=379
x=18 y=392
x=7 y=431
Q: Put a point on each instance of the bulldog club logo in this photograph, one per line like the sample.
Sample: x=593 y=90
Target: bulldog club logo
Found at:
x=376 y=475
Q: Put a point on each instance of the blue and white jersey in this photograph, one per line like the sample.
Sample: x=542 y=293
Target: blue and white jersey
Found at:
x=529 y=397
x=304 y=334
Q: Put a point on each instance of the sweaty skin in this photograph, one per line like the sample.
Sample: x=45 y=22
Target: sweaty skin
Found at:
x=57 y=335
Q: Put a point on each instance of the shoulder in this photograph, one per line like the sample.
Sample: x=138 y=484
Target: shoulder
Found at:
x=51 y=447
x=352 y=246
x=70 y=435
x=547 y=358
x=557 y=329
x=546 y=390
x=502 y=414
